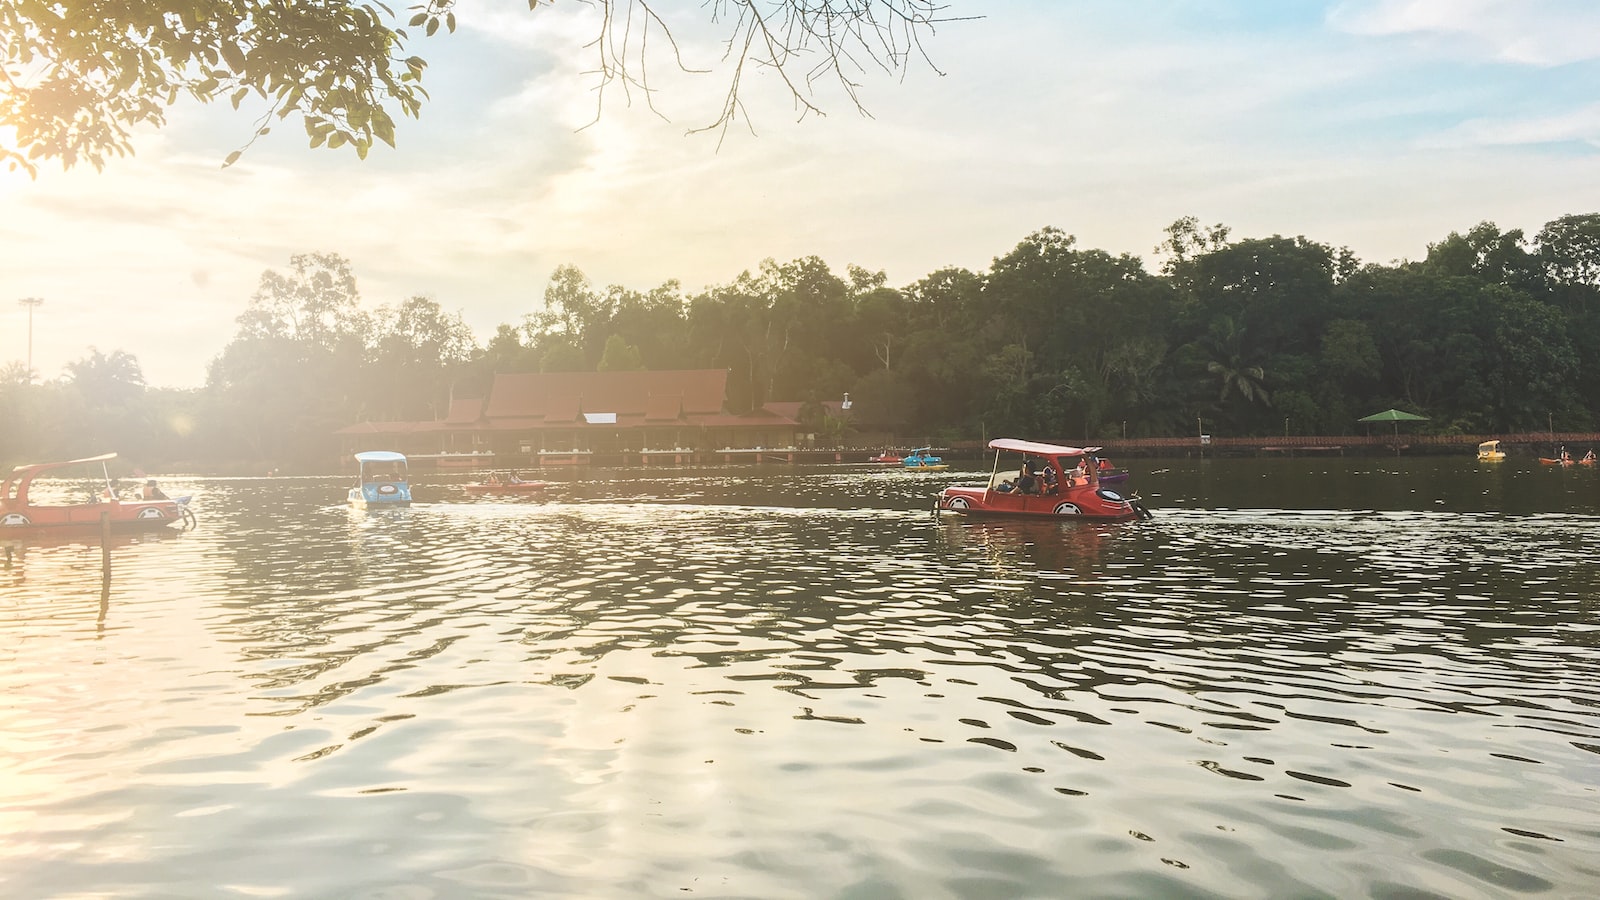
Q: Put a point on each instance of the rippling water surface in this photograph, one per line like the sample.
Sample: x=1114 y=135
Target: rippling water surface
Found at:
x=1329 y=677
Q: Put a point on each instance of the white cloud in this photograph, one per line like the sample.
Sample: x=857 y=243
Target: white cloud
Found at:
x=1577 y=126
x=1525 y=32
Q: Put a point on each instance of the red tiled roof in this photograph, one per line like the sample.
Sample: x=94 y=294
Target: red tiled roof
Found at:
x=562 y=408
x=755 y=419
x=551 y=395
x=521 y=402
x=663 y=407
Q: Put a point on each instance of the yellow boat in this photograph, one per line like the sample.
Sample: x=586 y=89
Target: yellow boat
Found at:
x=1489 y=451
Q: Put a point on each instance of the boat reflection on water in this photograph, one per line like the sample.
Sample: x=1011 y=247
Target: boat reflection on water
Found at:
x=1047 y=544
x=15 y=548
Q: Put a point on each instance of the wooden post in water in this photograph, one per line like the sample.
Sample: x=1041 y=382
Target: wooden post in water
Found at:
x=105 y=567
x=105 y=541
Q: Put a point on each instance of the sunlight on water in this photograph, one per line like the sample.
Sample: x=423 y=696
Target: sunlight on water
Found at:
x=1302 y=678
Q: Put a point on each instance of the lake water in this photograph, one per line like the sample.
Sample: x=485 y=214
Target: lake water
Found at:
x=1339 y=677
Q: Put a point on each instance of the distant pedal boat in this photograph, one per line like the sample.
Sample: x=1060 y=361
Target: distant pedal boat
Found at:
x=508 y=484
x=382 y=480
x=922 y=459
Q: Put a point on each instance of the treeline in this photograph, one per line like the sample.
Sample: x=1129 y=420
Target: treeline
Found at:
x=1492 y=333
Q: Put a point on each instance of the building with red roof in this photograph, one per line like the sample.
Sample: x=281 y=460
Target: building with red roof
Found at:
x=575 y=417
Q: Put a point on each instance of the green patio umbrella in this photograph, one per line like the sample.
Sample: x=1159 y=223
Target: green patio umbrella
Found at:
x=1395 y=416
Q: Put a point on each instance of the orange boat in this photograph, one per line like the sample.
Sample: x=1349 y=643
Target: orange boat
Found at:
x=509 y=484
x=20 y=514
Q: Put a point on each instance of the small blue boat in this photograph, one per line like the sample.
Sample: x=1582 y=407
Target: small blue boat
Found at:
x=381 y=480
x=923 y=459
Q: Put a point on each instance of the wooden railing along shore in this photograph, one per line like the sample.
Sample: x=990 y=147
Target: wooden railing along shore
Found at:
x=1193 y=445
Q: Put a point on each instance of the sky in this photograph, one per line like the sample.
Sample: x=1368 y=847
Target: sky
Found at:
x=1376 y=125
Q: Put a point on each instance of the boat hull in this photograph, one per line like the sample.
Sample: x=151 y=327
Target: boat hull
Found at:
x=522 y=487
x=384 y=495
x=923 y=460
x=149 y=515
x=1085 y=502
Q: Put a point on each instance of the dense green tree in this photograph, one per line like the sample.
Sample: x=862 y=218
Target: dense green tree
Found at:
x=655 y=323
x=294 y=371
x=105 y=403
x=1489 y=254
x=620 y=356
x=1277 y=291
x=418 y=350
x=1349 y=355
x=315 y=305
x=1531 y=367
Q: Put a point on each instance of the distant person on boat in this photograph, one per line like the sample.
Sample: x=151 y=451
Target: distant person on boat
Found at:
x=516 y=478
x=152 y=491
x=1588 y=458
x=1048 y=477
x=1566 y=458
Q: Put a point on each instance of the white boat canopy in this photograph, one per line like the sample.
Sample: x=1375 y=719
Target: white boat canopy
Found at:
x=1039 y=449
x=104 y=457
x=367 y=456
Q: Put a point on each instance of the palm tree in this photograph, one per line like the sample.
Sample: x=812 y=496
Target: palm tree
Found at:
x=1246 y=380
x=1226 y=342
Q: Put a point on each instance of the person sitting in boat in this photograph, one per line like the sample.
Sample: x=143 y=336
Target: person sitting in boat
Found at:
x=1588 y=458
x=1006 y=487
x=1080 y=475
x=152 y=491
x=516 y=478
x=1026 y=482
x=1048 y=479
x=1566 y=458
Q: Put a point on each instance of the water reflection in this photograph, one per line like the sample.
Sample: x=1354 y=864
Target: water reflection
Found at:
x=798 y=682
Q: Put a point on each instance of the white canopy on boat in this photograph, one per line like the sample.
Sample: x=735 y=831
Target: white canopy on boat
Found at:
x=367 y=456
x=104 y=457
x=1037 y=448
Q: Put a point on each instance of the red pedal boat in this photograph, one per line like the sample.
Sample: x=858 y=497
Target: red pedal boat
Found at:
x=1041 y=480
x=508 y=484
x=122 y=511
